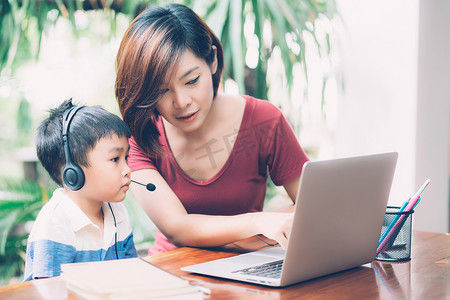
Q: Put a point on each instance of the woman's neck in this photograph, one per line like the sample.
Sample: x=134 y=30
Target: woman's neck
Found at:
x=223 y=117
x=207 y=151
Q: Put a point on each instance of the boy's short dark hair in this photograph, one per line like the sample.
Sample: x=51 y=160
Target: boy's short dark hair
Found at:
x=89 y=125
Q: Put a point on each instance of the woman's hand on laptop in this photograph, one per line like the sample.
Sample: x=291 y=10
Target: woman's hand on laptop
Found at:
x=276 y=226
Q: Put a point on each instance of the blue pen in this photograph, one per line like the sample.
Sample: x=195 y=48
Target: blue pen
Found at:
x=418 y=200
x=393 y=221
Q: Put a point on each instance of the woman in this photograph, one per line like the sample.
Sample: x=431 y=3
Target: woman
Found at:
x=208 y=153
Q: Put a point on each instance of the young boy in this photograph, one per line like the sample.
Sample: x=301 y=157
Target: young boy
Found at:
x=85 y=151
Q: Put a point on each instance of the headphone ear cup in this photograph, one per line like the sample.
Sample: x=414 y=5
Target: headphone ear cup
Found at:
x=73 y=176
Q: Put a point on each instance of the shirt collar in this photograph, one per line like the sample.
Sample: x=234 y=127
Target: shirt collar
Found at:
x=78 y=218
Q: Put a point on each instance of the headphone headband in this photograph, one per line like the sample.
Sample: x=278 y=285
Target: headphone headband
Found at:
x=72 y=174
x=68 y=117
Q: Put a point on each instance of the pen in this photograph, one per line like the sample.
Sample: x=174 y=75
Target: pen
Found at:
x=416 y=198
x=395 y=232
x=393 y=221
x=389 y=234
x=417 y=194
x=421 y=189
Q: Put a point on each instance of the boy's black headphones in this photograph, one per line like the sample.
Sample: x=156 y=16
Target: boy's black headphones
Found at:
x=72 y=174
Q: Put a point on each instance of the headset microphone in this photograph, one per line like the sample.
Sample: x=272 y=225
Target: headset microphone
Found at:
x=149 y=186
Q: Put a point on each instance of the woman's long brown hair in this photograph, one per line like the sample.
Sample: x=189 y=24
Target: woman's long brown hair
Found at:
x=151 y=46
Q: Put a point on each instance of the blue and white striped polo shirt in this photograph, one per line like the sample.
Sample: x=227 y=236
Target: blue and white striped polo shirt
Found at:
x=62 y=233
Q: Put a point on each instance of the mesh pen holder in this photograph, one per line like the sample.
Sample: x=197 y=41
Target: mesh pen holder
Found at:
x=396 y=246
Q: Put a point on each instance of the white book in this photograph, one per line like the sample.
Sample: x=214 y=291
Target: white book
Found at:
x=131 y=278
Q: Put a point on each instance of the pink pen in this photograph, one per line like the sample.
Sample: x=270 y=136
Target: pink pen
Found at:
x=394 y=231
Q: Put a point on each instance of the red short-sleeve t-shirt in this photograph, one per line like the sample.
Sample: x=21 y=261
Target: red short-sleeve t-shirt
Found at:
x=265 y=144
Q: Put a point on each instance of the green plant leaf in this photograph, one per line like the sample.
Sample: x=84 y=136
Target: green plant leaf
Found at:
x=6 y=224
x=217 y=16
x=20 y=201
x=11 y=265
x=236 y=42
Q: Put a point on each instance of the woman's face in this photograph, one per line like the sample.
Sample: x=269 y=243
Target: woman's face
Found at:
x=188 y=93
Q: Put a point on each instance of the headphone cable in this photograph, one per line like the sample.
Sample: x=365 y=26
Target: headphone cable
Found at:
x=115 y=235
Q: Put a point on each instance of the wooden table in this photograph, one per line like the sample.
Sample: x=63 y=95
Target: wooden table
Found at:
x=426 y=276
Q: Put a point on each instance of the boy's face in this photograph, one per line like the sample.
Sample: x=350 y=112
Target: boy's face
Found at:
x=108 y=176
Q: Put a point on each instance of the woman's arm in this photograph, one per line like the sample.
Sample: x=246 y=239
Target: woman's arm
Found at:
x=183 y=229
x=292 y=189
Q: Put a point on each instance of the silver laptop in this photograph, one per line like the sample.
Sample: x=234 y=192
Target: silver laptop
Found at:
x=338 y=217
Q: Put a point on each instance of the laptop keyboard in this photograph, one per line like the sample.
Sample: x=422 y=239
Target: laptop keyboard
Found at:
x=270 y=270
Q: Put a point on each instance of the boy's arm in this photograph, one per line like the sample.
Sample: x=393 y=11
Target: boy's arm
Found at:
x=50 y=244
x=44 y=258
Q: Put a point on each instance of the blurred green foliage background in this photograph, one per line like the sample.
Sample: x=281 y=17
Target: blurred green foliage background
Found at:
x=51 y=50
